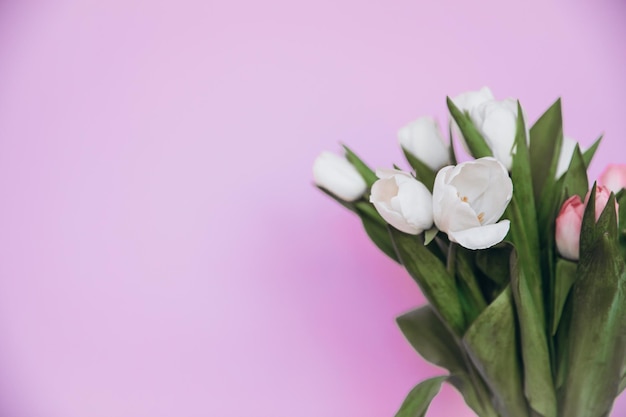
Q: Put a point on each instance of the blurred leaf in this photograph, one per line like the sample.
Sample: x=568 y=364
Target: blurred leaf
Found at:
x=474 y=140
x=346 y=204
x=434 y=342
x=451 y=146
x=598 y=330
x=417 y=402
x=575 y=179
x=546 y=137
x=588 y=234
x=430 y=234
x=468 y=283
x=366 y=172
x=431 y=339
x=538 y=383
x=492 y=343
x=589 y=153
x=422 y=171
x=495 y=263
x=432 y=277
x=565 y=278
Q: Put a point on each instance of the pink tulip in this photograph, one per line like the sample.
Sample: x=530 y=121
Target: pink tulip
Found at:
x=614 y=177
x=570 y=219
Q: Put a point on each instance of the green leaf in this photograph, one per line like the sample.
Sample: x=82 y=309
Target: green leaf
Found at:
x=589 y=153
x=575 y=179
x=468 y=283
x=431 y=339
x=495 y=263
x=565 y=278
x=417 y=402
x=434 y=342
x=521 y=211
x=430 y=234
x=376 y=228
x=422 y=171
x=475 y=142
x=546 y=137
x=346 y=204
x=492 y=343
x=451 y=146
x=366 y=172
x=538 y=383
x=598 y=329
x=432 y=277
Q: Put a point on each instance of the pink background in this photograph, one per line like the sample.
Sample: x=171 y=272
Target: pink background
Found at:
x=164 y=252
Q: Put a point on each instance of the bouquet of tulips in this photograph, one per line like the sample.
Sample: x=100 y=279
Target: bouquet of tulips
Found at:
x=522 y=261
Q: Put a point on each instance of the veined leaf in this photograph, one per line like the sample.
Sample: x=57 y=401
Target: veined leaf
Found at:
x=538 y=383
x=598 y=330
x=434 y=342
x=546 y=137
x=417 y=402
x=564 y=279
x=521 y=210
x=431 y=275
x=495 y=263
x=492 y=343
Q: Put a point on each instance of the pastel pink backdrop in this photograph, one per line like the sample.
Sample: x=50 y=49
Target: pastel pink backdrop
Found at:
x=164 y=252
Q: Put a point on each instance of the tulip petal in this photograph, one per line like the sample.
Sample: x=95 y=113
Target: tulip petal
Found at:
x=481 y=237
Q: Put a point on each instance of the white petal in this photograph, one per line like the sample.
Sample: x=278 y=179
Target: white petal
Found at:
x=423 y=139
x=565 y=157
x=416 y=204
x=481 y=237
x=395 y=219
x=337 y=175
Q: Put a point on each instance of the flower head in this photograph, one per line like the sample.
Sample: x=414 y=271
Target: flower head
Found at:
x=335 y=174
x=404 y=202
x=422 y=138
x=468 y=201
x=570 y=219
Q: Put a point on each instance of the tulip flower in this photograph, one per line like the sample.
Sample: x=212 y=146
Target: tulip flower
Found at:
x=467 y=101
x=338 y=176
x=422 y=138
x=497 y=122
x=614 y=177
x=565 y=157
x=468 y=201
x=402 y=201
x=570 y=219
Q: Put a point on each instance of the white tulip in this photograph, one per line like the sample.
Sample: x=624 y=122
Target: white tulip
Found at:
x=404 y=202
x=337 y=175
x=565 y=157
x=467 y=101
x=497 y=123
x=422 y=138
x=468 y=201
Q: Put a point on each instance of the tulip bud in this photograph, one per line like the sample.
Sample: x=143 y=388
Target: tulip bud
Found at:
x=467 y=101
x=422 y=138
x=402 y=201
x=468 y=201
x=565 y=157
x=614 y=177
x=497 y=123
x=568 y=224
x=570 y=219
x=338 y=176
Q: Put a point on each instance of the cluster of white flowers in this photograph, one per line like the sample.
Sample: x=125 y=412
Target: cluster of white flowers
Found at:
x=467 y=199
